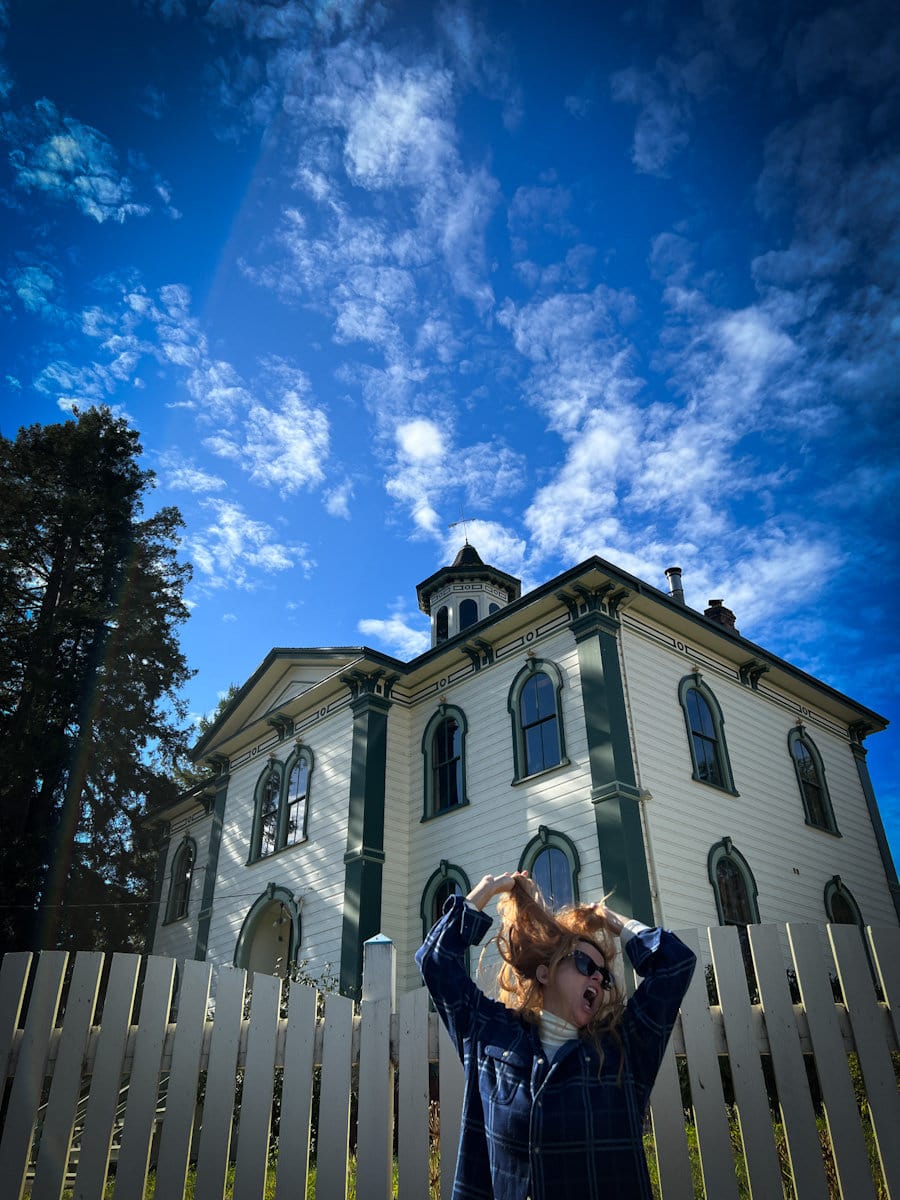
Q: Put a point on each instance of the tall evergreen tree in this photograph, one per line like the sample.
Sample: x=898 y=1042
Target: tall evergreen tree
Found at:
x=91 y=724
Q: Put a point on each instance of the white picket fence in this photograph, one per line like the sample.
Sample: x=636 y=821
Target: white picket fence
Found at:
x=84 y=1086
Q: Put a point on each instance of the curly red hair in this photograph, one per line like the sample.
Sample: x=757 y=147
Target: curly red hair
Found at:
x=532 y=935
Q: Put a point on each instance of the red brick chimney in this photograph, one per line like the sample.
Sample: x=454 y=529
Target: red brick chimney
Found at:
x=721 y=615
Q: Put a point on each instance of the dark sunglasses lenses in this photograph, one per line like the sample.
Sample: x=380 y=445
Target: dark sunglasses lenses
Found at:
x=585 y=965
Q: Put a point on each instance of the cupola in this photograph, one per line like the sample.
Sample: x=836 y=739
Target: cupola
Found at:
x=464 y=593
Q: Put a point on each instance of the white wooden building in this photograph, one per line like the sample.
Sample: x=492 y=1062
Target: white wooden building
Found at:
x=596 y=730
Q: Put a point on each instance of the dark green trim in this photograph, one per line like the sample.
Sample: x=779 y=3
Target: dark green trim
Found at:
x=547 y=839
x=274 y=893
x=273 y=767
x=859 y=754
x=725 y=849
x=620 y=835
x=364 y=858
x=186 y=844
x=212 y=869
x=162 y=853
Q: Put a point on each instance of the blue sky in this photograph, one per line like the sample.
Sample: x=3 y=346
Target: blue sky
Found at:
x=601 y=279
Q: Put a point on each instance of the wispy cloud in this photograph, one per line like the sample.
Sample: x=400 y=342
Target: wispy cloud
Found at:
x=402 y=633
x=70 y=161
x=235 y=550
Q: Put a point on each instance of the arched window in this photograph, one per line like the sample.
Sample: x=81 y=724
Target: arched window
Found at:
x=444 y=751
x=296 y=804
x=180 y=880
x=811 y=780
x=535 y=707
x=734 y=889
x=492 y=608
x=552 y=862
x=706 y=734
x=281 y=814
x=840 y=906
x=468 y=614
x=446 y=881
x=442 y=624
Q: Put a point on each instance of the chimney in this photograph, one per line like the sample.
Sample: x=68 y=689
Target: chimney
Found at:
x=676 y=591
x=721 y=615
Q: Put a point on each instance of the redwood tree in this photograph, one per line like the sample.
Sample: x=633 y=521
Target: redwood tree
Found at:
x=91 y=723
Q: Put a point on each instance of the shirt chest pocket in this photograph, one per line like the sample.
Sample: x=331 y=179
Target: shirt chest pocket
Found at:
x=504 y=1073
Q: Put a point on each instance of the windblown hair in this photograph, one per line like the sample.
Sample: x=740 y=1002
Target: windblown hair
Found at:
x=531 y=935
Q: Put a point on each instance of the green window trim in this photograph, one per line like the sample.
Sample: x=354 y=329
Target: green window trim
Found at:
x=710 y=764
x=810 y=771
x=181 y=877
x=550 y=841
x=441 y=879
x=274 y=894
x=272 y=804
x=444 y=764
x=725 y=852
x=548 y=726
x=835 y=894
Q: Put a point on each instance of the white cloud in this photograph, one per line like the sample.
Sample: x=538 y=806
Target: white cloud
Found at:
x=661 y=128
x=420 y=440
x=183 y=474
x=337 y=500
x=234 y=550
x=64 y=158
x=396 y=634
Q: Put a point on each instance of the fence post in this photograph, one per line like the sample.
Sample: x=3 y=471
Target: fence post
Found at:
x=375 y=1131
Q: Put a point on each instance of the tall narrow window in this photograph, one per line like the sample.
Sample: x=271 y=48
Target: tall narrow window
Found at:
x=536 y=711
x=734 y=889
x=297 y=798
x=180 y=881
x=281 y=813
x=706 y=734
x=268 y=813
x=441 y=624
x=552 y=862
x=444 y=751
x=811 y=780
x=840 y=906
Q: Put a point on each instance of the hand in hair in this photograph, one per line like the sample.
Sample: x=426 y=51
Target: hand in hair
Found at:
x=495 y=885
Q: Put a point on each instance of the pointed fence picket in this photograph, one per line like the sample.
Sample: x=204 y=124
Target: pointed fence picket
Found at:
x=106 y=1086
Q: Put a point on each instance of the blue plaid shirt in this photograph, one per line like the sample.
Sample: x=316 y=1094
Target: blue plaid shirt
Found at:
x=534 y=1129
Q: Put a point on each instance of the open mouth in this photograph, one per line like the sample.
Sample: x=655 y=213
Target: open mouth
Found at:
x=590 y=995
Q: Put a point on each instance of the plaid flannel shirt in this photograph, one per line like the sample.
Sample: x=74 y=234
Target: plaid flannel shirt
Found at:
x=534 y=1129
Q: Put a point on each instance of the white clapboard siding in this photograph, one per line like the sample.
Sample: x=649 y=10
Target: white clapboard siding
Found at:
x=218 y=1102
x=259 y=1083
x=28 y=1081
x=118 y=1065
x=334 y=1102
x=874 y=1059
x=65 y=1088
x=707 y=1098
x=412 y=1117
x=143 y=1084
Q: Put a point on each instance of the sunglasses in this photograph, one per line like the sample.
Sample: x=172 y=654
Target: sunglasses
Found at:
x=586 y=966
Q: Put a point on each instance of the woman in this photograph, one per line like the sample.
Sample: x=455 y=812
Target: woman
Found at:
x=557 y=1079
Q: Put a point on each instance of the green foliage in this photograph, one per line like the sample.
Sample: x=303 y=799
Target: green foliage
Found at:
x=90 y=671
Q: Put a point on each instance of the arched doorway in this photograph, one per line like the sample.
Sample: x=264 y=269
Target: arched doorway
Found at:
x=269 y=940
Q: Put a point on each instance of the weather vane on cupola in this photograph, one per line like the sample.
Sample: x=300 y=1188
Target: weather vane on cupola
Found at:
x=465 y=524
